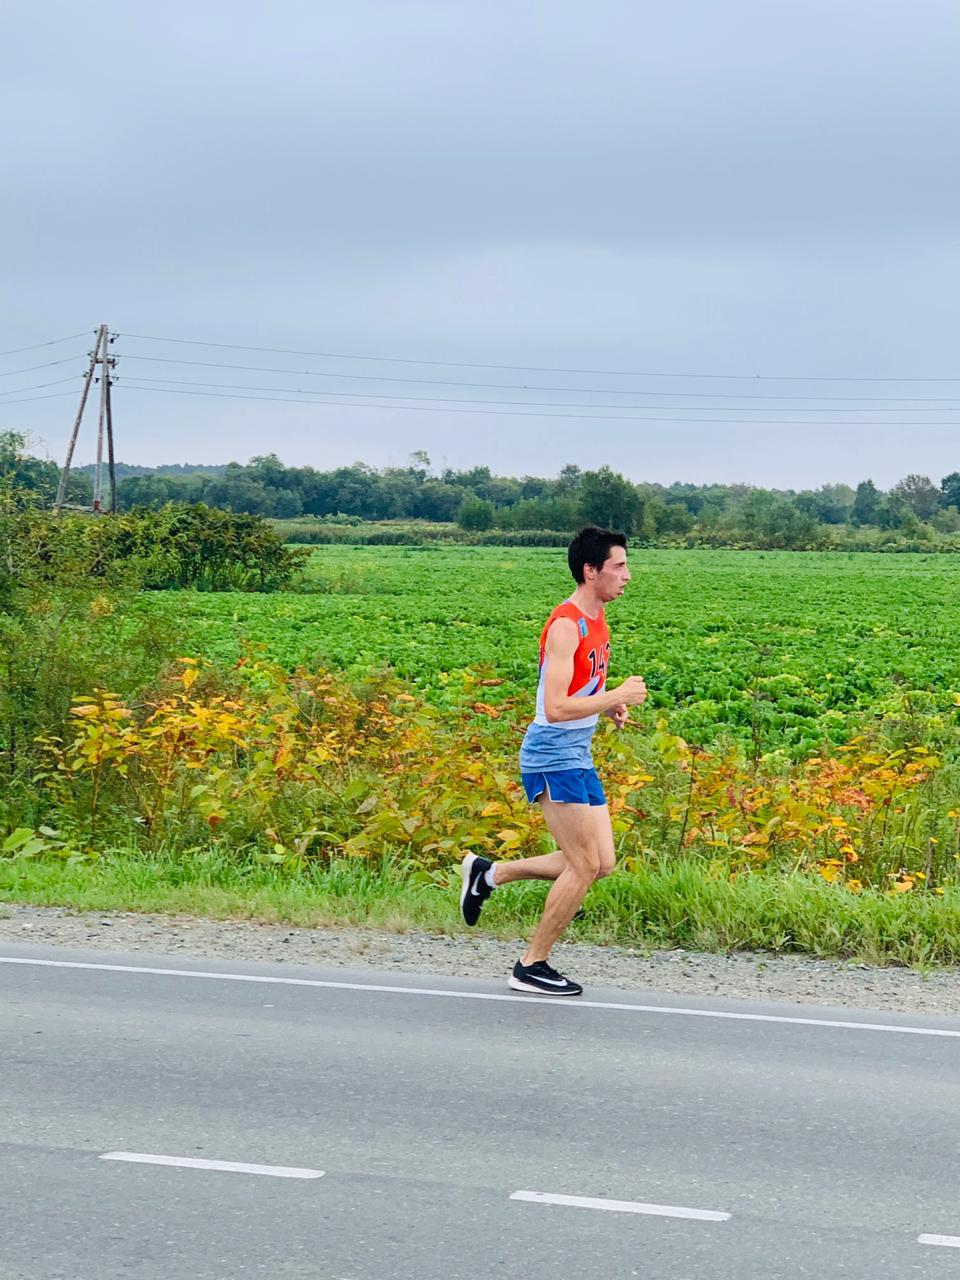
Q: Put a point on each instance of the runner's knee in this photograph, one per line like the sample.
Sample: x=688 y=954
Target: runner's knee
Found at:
x=585 y=869
x=590 y=867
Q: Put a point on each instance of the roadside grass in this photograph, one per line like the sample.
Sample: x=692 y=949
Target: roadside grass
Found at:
x=649 y=908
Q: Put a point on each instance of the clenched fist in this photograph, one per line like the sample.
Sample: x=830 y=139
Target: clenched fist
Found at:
x=633 y=691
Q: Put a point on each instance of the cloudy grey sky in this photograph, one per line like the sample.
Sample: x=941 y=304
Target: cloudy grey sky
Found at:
x=614 y=189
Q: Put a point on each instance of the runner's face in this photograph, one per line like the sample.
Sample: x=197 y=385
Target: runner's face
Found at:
x=610 y=581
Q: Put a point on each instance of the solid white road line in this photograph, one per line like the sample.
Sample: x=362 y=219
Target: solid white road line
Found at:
x=226 y=1166
x=566 y=1002
x=949 y=1242
x=621 y=1206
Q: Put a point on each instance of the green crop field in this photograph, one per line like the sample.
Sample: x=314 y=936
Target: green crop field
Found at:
x=781 y=650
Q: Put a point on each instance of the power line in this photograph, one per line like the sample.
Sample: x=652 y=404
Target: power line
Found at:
x=530 y=368
x=10 y=373
x=544 y=404
x=37 y=385
x=55 y=396
x=434 y=382
x=14 y=351
x=503 y=413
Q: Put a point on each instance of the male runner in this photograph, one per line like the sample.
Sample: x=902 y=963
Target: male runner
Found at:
x=555 y=761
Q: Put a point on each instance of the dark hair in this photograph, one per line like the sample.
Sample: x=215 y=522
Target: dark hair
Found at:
x=592 y=546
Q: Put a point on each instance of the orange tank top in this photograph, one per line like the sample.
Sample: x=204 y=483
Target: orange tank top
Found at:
x=590 y=660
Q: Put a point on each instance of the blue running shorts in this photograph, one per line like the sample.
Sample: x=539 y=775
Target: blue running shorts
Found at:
x=565 y=786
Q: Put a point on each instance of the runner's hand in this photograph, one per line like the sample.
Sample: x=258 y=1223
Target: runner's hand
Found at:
x=619 y=714
x=633 y=691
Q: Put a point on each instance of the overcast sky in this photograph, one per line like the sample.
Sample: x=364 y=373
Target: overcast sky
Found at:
x=765 y=188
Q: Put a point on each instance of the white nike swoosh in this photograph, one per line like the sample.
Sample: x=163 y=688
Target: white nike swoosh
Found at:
x=553 y=981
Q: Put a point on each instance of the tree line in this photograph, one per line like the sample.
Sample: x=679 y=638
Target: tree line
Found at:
x=916 y=508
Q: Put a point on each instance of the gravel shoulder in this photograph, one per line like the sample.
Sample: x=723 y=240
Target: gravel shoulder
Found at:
x=792 y=979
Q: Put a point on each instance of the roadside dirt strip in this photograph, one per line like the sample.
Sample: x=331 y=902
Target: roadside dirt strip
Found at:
x=745 y=976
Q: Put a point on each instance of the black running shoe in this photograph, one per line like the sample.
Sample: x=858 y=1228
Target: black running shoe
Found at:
x=475 y=891
x=541 y=978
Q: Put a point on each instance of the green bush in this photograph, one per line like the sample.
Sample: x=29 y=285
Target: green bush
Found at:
x=174 y=547
x=475 y=514
x=71 y=620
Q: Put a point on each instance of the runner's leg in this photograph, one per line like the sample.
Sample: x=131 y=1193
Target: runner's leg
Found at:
x=545 y=867
x=586 y=837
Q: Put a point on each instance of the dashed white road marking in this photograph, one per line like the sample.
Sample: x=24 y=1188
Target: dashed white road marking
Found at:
x=621 y=1206
x=948 y=1242
x=224 y=1166
x=566 y=1003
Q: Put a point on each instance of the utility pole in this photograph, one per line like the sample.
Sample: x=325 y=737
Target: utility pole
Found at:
x=99 y=355
x=110 y=458
x=101 y=420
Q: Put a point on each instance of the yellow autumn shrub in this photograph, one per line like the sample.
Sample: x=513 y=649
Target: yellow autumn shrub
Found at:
x=304 y=765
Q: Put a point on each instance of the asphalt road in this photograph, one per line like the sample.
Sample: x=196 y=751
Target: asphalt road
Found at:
x=803 y=1142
